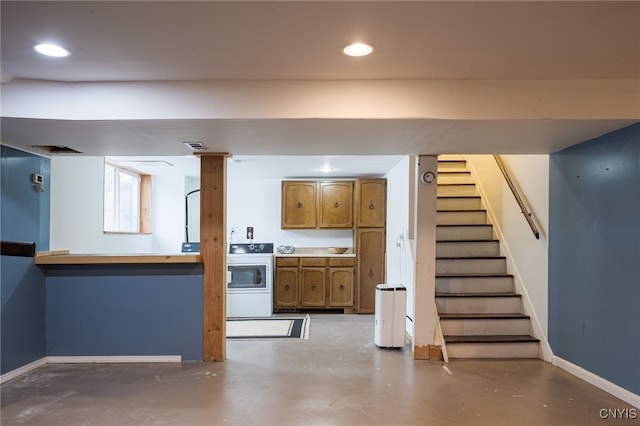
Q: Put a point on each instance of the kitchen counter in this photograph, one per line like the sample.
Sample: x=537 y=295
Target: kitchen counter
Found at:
x=315 y=252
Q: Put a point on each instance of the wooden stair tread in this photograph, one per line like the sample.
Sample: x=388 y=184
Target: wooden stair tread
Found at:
x=462 y=211
x=467 y=294
x=473 y=258
x=468 y=241
x=473 y=275
x=465 y=224
x=496 y=338
x=482 y=316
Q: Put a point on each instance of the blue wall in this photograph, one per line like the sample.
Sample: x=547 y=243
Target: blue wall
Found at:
x=24 y=217
x=594 y=256
x=105 y=310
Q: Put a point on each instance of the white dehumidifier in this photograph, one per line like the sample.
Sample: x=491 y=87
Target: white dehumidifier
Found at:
x=390 y=315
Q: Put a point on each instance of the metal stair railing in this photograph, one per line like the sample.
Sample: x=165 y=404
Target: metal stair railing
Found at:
x=514 y=191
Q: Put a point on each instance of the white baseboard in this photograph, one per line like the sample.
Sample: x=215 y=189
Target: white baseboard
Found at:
x=87 y=360
x=615 y=390
x=22 y=370
x=118 y=359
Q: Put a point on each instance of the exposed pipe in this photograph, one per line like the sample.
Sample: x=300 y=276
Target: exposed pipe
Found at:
x=186 y=214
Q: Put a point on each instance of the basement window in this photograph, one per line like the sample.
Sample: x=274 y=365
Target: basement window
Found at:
x=127 y=200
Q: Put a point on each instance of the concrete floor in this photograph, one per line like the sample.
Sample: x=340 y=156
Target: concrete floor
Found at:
x=337 y=377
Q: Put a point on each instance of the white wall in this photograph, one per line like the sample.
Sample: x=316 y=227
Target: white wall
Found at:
x=76 y=214
x=167 y=213
x=527 y=256
x=76 y=210
x=400 y=262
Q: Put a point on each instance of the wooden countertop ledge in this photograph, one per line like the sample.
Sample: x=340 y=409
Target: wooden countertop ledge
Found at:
x=63 y=257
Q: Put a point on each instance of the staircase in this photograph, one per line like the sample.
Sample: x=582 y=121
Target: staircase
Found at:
x=481 y=315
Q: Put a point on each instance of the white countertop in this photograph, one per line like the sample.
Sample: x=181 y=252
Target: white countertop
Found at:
x=315 y=252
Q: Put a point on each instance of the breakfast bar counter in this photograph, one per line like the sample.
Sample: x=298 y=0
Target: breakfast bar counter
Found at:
x=63 y=257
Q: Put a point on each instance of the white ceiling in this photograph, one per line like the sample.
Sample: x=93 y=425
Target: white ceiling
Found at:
x=300 y=40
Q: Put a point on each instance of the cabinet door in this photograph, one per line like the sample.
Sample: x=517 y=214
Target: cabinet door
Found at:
x=312 y=287
x=341 y=287
x=298 y=208
x=371 y=202
x=286 y=288
x=370 y=245
x=336 y=204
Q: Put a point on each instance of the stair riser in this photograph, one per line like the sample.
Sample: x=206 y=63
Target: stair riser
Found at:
x=492 y=350
x=478 y=217
x=445 y=177
x=468 y=249
x=478 y=305
x=452 y=233
x=454 y=203
x=452 y=165
x=485 y=327
x=471 y=266
x=445 y=190
x=474 y=285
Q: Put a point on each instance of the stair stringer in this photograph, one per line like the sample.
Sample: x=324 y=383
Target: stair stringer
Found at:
x=545 y=352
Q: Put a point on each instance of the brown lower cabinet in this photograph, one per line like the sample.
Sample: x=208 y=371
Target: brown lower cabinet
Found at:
x=312 y=287
x=286 y=287
x=314 y=282
x=341 y=287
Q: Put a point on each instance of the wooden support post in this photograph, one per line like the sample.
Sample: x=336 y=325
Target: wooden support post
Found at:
x=213 y=251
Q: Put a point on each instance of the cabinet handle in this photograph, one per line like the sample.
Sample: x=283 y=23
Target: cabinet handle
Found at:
x=370 y=272
x=299 y=205
x=336 y=205
x=313 y=287
x=286 y=287
x=341 y=286
x=371 y=206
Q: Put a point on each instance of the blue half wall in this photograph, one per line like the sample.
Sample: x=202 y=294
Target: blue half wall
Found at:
x=109 y=310
x=594 y=256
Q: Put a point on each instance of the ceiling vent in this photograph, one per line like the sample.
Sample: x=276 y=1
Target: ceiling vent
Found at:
x=56 y=149
x=195 y=145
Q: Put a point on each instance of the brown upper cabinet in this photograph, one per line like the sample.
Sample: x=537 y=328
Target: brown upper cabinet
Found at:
x=317 y=205
x=371 y=203
x=299 y=205
x=335 y=204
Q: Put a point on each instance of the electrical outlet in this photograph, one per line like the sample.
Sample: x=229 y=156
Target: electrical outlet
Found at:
x=37 y=178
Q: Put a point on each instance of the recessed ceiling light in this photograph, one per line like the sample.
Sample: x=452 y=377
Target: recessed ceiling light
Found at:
x=51 y=50
x=358 y=49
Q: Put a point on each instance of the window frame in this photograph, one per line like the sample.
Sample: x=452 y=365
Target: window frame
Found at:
x=144 y=198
